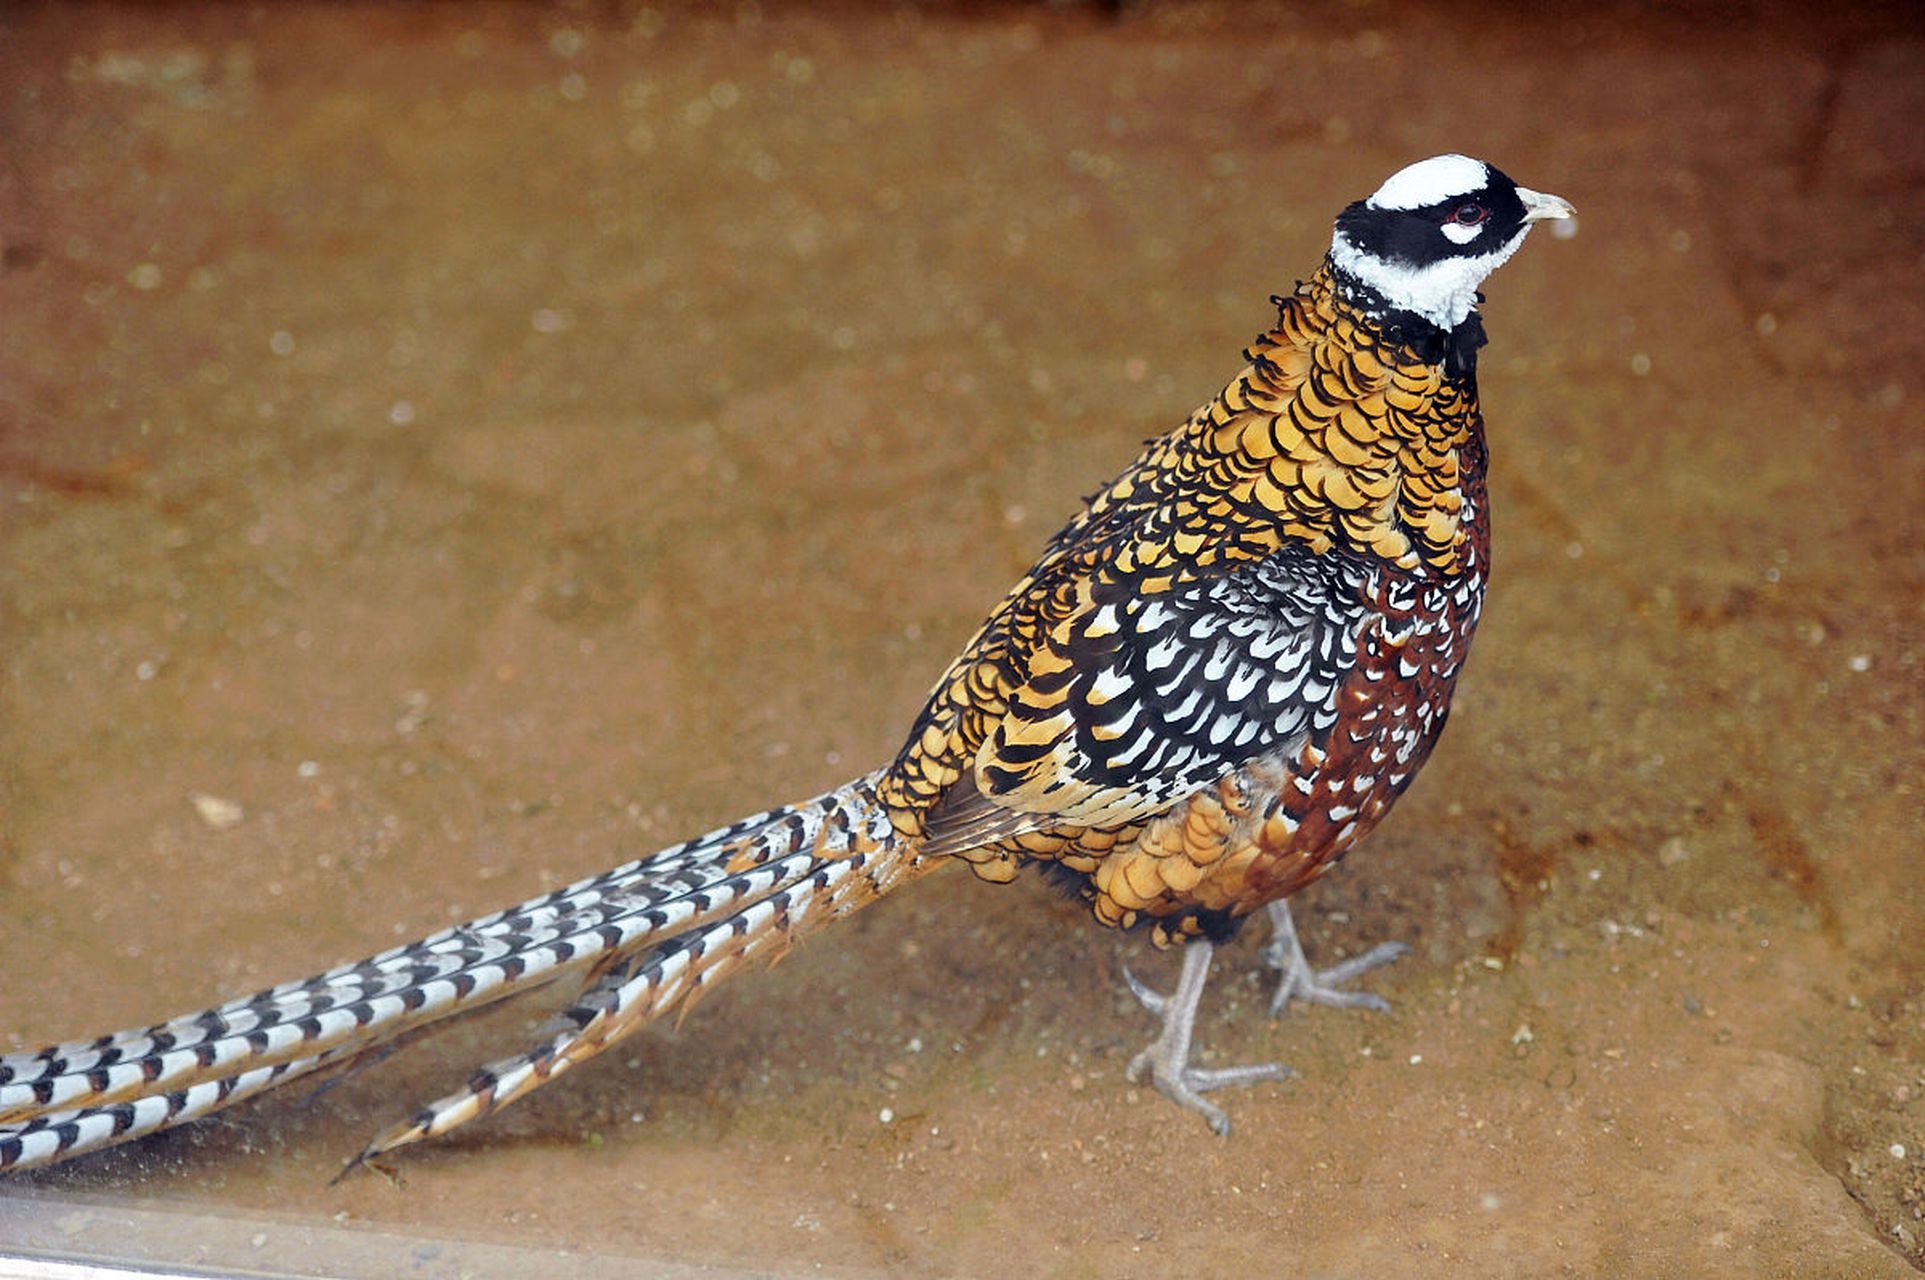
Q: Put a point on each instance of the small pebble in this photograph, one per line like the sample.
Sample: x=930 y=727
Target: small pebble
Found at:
x=215 y=812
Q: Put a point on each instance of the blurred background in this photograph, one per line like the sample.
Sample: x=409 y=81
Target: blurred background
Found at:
x=447 y=450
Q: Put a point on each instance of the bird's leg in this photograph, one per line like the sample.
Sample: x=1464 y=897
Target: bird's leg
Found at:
x=1320 y=986
x=1167 y=1059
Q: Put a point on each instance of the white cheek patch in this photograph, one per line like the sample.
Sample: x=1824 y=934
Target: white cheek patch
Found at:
x=1443 y=292
x=1459 y=233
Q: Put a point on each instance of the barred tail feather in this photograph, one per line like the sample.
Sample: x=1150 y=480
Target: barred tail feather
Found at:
x=77 y=1097
x=670 y=977
x=517 y=946
x=59 y=1135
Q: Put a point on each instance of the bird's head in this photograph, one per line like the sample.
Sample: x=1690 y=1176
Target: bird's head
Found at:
x=1431 y=234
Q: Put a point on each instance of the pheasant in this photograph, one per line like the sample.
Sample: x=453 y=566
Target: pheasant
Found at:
x=1217 y=678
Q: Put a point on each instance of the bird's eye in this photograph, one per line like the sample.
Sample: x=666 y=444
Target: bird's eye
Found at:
x=1469 y=215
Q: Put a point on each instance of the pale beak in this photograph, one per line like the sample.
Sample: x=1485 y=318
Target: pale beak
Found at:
x=1539 y=207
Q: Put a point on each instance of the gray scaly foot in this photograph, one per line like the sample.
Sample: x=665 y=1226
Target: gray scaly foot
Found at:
x=1167 y=1059
x=1321 y=986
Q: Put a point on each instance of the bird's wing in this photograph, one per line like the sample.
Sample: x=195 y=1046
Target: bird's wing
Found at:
x=1130 y=700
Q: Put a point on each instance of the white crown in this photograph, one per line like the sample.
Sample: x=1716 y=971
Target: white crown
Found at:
x=1431 y=181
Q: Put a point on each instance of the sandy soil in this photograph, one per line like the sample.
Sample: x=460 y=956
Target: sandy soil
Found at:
x=486 y=443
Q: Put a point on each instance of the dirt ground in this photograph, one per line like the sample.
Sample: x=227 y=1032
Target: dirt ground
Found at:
x=485 y=443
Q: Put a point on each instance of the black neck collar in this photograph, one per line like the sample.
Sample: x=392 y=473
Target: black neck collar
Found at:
x=1454 y=348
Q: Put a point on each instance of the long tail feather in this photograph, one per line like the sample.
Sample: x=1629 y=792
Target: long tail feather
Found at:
x=670 y=916
x=669 y=977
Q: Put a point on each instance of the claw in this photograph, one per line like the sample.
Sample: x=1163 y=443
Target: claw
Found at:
x=1321 y=986
x=1155 y=1001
